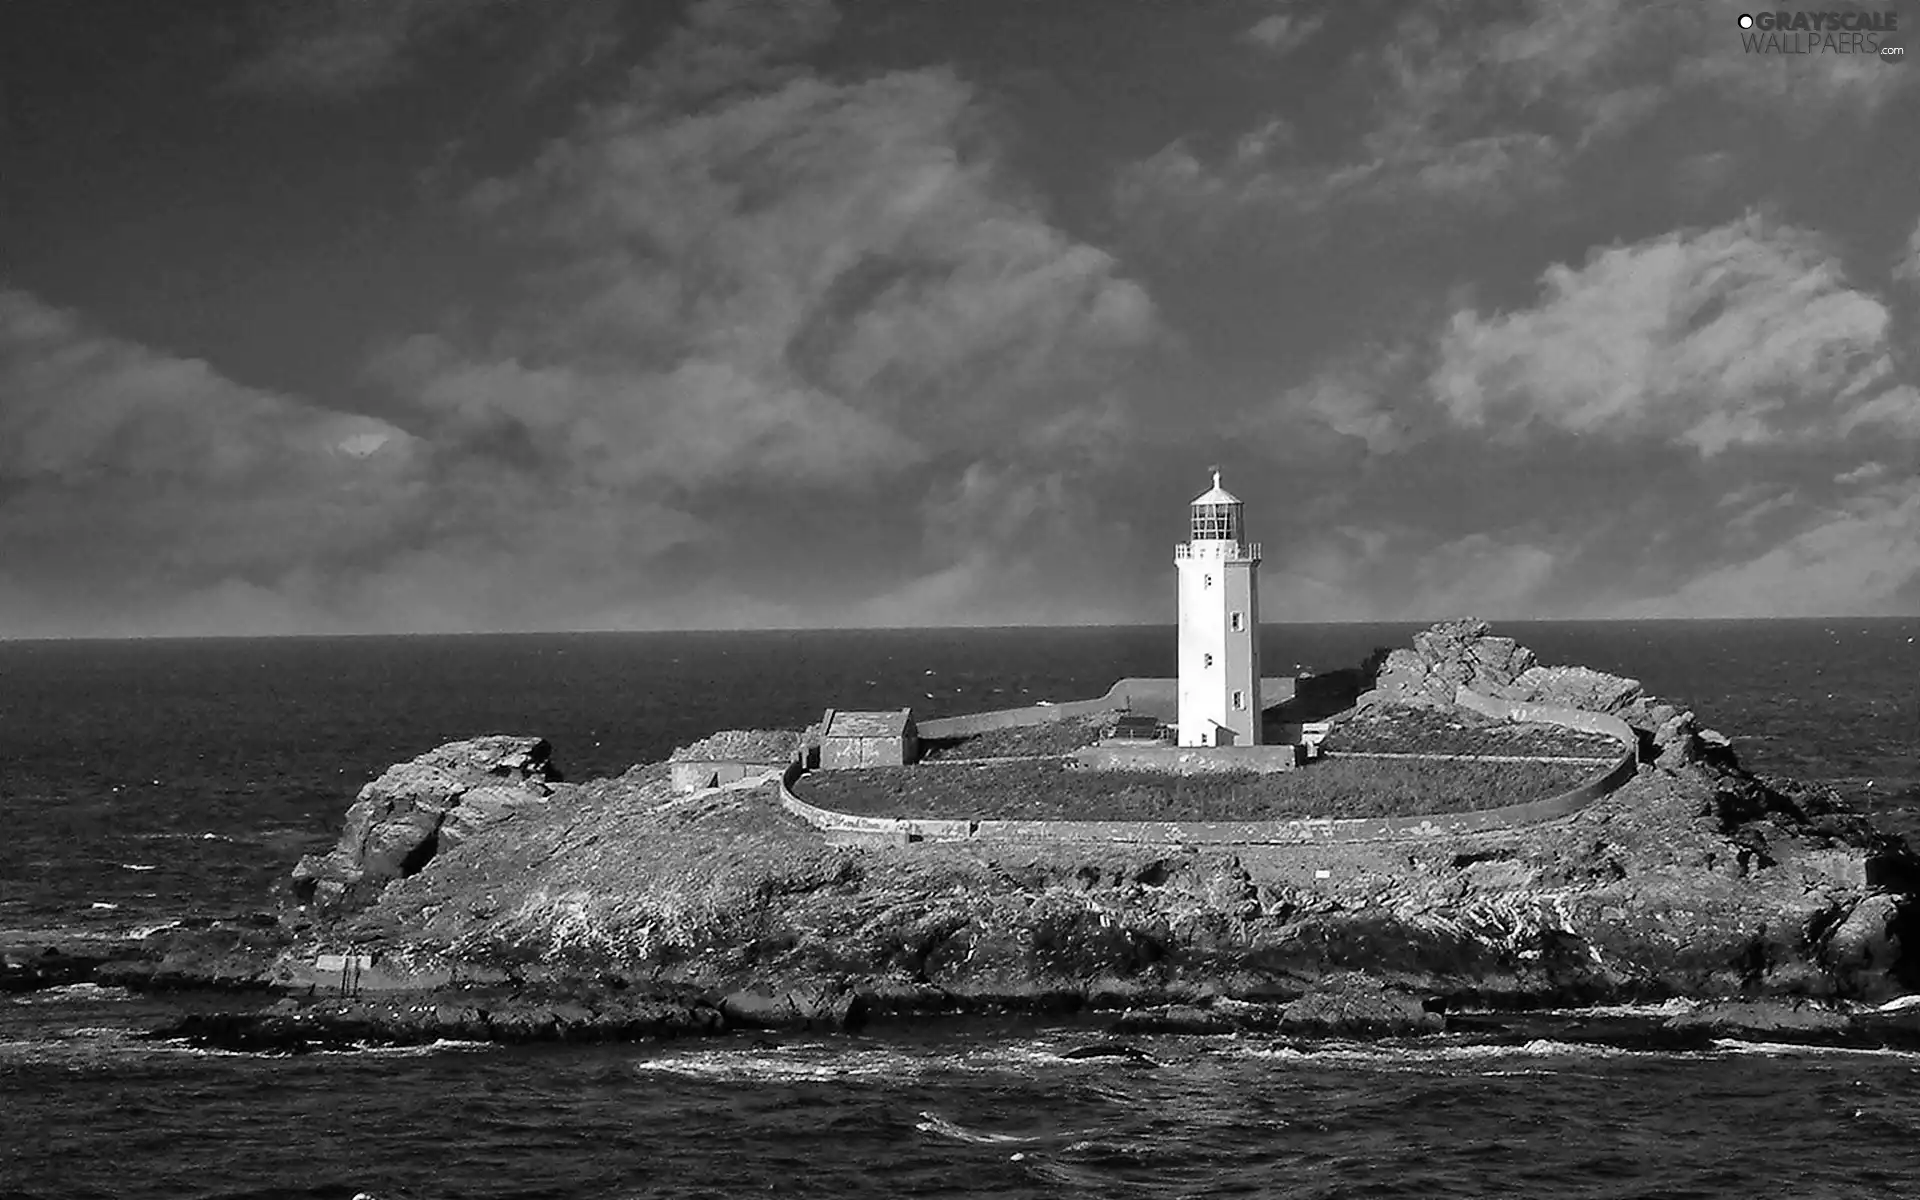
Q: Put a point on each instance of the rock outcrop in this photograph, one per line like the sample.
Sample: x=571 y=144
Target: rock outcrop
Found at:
x=1696 y=879
x=741 y=745
x=1453 y=654
x=418 y=809
x=1466 y=653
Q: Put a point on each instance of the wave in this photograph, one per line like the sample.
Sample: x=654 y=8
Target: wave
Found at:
x=934 y=1123
x=1378 y=1054
x=1797 y=1050
x=185 y=1048
x=802 y=1061
x=72 y=992
x=1665 y=1008
x=784 y=1065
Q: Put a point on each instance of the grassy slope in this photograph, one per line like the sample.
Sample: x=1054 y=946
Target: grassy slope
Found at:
x=1055 y=737
x=1398 y=730
x=1056 y=791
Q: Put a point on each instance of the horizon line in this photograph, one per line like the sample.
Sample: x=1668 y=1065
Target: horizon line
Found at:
x=622 y=631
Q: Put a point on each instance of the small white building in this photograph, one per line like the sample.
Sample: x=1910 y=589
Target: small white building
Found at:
x=1219 y=625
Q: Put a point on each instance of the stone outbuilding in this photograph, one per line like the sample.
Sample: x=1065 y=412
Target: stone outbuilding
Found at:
x=868 y=739
x=731 y=755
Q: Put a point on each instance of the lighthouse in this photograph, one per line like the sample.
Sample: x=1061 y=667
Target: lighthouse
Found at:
x=1219 y=625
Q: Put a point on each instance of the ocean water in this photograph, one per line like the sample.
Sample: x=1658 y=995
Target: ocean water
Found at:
x=144 y=781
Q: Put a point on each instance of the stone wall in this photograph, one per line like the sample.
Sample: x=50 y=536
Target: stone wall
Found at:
x=690 y=775
x=1322 y=831
x=1548 y=714
x=1304 y=831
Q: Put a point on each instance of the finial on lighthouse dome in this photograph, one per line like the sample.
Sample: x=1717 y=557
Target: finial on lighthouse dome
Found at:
x=1216 y=494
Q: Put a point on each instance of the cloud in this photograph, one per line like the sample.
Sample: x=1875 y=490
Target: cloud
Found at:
x=1861 y=560
x=1906 y=268
x=1746 y=334
x=1369 y=392
x=755 y=281
x=1284 y=32
x=1478 y=111
x=85 y=406
x=728 y=45
x=339 y=50
x=1480 y=575
x=807 y=282
x=129 y=476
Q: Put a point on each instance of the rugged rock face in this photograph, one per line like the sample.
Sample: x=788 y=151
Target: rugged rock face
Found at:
x=1466 y=652
x=418 y=809
x=1694 y=880
x=1453 y=653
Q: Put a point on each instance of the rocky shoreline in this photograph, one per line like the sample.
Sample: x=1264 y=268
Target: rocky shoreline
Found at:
x=475 y=895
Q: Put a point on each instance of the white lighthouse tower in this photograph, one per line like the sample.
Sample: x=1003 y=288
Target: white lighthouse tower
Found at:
x=1219 y=625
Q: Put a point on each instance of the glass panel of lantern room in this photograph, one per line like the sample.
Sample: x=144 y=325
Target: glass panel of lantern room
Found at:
x=1216 y=522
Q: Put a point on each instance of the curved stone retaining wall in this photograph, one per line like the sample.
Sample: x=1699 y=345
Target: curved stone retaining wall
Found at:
x=1302 y=831
x=1548 y=714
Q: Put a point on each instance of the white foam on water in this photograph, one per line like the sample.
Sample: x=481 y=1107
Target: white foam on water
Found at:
x=1666 y=1008
x=829 y=1061
x=1899 y=1004
x=936 y=1124
x=438 y=1046
x=138 y=867
x=186 y=1049
x=147 y=931
x=1795 y=1050
x=103 y=906
x=784 y=1065
x=1359 y=1054
x=71 y=992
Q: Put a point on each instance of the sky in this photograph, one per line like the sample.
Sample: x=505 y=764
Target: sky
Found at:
x=364 y=316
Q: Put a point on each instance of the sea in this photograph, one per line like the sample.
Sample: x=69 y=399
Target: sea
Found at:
x=143 y=782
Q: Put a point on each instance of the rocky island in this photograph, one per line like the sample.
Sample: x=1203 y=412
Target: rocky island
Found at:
x=476 y=894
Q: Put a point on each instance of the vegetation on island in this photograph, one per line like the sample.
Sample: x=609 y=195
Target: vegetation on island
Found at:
x=1053 y=790
x=1020 y=741
x=1395 y=729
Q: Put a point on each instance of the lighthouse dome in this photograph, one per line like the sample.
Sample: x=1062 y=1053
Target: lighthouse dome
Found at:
x=1216 y=514
x=1216 y=494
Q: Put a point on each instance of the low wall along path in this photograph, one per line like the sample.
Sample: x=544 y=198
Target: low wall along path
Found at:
x=1303 y=831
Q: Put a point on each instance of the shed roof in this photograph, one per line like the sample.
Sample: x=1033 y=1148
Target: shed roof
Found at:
x=886 y=723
